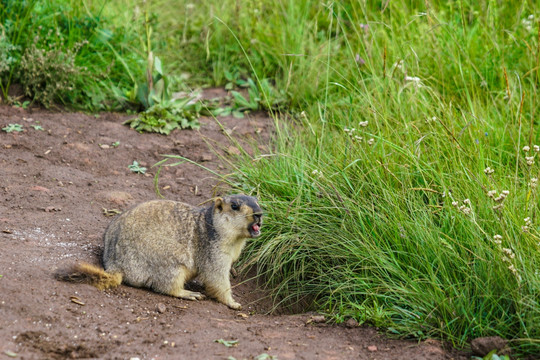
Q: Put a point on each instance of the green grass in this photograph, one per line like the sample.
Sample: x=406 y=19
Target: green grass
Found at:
x=391 y=223
x=364 y=225
x=108 y=56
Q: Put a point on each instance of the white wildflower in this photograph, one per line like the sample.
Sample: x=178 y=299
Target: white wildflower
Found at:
x=533 y=183
x=491 y=193
x=526 y=148
x=497 y=237
x=530 y=160
x=536 y=148
x=414 y=79
x=528 y=22
x=455 y=203
x=488 y=171
x=371 y=141
x=467 y=201
x=358 y=138
x=363 y=123
x=509 y=253
x=505 y=193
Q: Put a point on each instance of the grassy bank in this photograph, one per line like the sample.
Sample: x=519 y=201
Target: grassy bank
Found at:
x=405 y=195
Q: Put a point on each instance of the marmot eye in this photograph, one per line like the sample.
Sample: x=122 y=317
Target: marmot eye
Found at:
x=235 y=206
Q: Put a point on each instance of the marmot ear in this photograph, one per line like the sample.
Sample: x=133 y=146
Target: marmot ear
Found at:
x=218 y=204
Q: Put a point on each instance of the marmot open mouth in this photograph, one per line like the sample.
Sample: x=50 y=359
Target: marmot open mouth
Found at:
x=255 y=229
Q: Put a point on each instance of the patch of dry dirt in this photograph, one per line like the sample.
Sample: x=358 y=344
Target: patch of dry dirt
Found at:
x=56 y=184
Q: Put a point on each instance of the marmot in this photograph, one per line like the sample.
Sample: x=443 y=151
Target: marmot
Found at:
x=162 y=244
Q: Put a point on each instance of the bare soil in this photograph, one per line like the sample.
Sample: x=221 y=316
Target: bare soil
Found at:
x=57 y=187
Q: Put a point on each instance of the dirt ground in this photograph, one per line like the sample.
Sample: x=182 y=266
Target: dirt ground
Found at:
x=57 y=186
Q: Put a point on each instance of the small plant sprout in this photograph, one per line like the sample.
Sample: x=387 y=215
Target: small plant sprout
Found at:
x=526 y=148
x=136 y=168
x=38 y=127
x=227 y=343
x=115 y=144
x=363 y=123
x=13 y=127
x=488 y=171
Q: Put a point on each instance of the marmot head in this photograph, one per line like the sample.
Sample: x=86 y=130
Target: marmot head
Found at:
x=240 y=214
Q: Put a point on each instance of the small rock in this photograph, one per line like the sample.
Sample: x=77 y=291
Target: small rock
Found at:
x=104 y=146
x=372 y=348
x=39 y=188
x=483 y=345
x=206 y=157
x=316 y=319
x=161 y=308
x=351 y=323
x=117 y=197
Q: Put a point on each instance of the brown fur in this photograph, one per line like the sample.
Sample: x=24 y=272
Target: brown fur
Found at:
x=84 y=272
x=163 y=244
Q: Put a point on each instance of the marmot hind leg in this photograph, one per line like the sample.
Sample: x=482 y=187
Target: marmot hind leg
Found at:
x=177 y=288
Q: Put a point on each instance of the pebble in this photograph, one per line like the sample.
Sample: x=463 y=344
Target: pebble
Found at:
x=161 y=308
